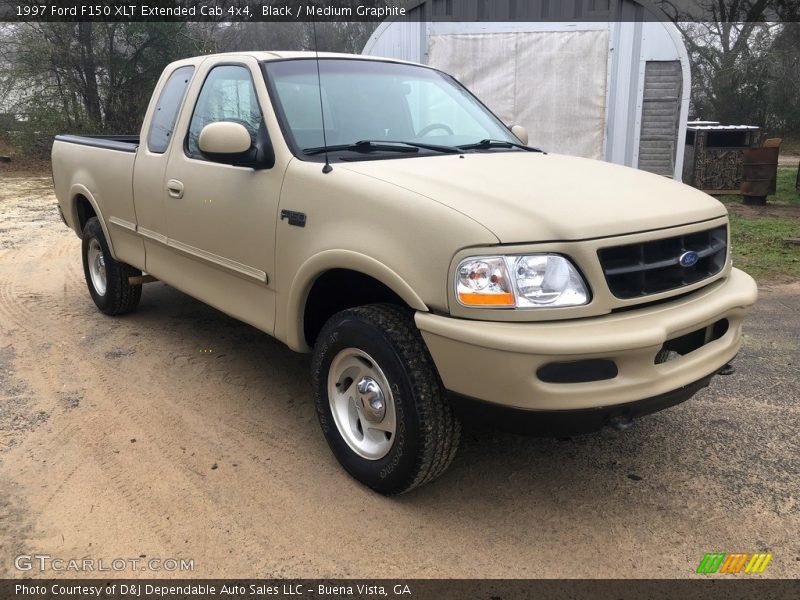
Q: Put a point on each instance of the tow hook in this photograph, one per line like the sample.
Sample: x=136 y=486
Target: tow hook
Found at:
x=728 y=369
x=620 y=422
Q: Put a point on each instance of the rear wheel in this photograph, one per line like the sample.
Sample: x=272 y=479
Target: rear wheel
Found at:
x=106 y=278
x=380 y=401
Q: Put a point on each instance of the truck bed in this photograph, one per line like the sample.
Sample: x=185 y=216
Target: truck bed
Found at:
x=121 y=143
x=99 y=170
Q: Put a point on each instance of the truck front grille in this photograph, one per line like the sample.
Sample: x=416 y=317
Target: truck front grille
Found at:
x=636 y=270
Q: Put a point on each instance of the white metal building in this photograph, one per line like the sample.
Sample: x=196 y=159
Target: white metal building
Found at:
x=613 y=87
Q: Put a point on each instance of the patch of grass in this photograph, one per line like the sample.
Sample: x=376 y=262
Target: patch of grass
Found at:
x=21 y=165
x=785 y=193
x=790 y=146
x=759 y=249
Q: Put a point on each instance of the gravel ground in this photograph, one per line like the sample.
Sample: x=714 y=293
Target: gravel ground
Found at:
x=177 y=432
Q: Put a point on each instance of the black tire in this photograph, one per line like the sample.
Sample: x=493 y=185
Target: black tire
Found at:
x=427 y=430
x=120 y=297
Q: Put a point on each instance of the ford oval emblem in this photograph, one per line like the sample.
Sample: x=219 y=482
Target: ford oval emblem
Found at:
x=689 y=259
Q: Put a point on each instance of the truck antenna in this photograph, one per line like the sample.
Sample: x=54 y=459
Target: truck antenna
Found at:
x=327 y=168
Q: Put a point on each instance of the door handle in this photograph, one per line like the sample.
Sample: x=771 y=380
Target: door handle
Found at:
x=175 y=188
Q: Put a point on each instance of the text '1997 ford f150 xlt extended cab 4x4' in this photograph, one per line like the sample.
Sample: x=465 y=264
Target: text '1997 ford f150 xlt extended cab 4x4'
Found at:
x=377 y=214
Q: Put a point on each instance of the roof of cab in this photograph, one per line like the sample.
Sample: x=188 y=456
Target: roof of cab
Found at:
x=281 y=55
x=294 y=54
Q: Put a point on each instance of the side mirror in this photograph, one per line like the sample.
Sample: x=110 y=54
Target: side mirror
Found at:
x=224 y=141
x=521 y=133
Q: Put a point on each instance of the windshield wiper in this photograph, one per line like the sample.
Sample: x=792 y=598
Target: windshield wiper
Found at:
x=382 y=145
x=486 y=144
x=435 y=147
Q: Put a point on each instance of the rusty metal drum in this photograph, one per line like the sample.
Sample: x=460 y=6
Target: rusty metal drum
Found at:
x=759 y=170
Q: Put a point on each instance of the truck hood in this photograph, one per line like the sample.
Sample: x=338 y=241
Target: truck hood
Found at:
x=532 y=197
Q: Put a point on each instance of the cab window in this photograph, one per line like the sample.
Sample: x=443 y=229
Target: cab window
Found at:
x=166 y=111
x=228 y=94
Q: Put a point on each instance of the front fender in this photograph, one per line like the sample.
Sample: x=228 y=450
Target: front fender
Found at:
x=311 y=269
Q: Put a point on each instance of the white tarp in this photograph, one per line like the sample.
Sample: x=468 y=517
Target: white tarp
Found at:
x=553 y=83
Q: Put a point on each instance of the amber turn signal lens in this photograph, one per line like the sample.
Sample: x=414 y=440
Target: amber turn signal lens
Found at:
x=503 y=299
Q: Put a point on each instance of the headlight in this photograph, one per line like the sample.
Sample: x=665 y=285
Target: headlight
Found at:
x=484 y=281
x=536 y=280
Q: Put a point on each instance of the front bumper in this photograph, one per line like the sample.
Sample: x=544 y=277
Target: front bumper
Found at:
x=568 y=422
x=498 y=362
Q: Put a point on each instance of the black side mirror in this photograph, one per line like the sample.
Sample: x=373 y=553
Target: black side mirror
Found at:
x=229 y=143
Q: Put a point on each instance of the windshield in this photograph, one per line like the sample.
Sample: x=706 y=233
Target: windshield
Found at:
x=377 y=101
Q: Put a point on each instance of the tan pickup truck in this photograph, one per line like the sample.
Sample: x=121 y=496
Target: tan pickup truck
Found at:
x=378 y=215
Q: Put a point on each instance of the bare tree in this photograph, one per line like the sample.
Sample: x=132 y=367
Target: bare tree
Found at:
x=90 y=77
x=331 y=36
x=743 y=66
x=97 y=77
x=784 y=80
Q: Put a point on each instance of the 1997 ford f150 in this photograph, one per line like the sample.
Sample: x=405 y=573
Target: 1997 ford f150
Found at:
x=429 y=259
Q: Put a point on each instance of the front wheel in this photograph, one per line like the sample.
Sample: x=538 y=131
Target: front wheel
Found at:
x=107 y=278
x=380 y=402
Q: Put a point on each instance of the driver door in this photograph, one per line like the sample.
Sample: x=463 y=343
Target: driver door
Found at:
x=221 y=218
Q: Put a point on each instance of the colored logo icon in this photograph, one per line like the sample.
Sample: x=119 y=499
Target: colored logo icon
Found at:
x=743 y=562
x=689 y=259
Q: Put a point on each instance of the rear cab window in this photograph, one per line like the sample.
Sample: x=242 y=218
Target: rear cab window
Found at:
x=166 y=112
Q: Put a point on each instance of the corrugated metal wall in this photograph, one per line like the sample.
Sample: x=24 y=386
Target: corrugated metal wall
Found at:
x=511 y=10
x=660 y=116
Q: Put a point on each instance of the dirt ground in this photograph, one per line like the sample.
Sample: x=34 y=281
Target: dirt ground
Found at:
x=177 y=432
x=768 y=211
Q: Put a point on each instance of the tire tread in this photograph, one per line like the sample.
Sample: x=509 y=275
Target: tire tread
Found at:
x=440 y=430
x=121 y=297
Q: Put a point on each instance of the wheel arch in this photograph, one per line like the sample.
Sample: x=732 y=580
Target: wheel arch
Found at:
x=345 y=264
x=81 y=206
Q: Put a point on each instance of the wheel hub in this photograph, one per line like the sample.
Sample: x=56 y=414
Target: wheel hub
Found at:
x=372 y=400
x=97 y=267
x=361 y=403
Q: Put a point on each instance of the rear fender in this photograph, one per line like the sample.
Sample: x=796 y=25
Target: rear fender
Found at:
x=75 y=192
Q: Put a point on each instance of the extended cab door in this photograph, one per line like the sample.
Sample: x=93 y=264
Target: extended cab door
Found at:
x=157 y=135
x=221 y=218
